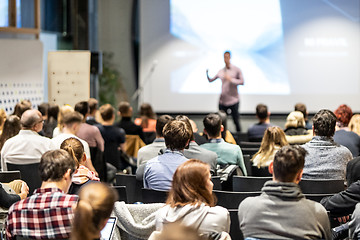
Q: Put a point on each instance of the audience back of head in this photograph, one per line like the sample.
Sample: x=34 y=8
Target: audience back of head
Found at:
x=21 y=107
x=354 y=124
x=177 y=135
x=295 y=119
x=261 y=111
x=75 y=148
x=301 y=108
x=160 y=124
x=343 y=115
x=82 y=107
x=212 y=125
x=107 y=112
x=30 y=118
x=12 y=127
x=324 y=123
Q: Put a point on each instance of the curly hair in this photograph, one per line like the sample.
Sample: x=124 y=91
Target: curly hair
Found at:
x=343 y=115
x=324 y=123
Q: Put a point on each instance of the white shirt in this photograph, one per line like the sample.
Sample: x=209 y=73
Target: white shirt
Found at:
x=25 y=148
x=63 y=136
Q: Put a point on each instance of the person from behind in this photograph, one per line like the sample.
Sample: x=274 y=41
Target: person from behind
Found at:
x=256 y=131
x=282 y=211
x=302 y=108
x=60 y=121
x=227 y=153
x=159 y=171
x=295 y=130
x=82 y=174
x=274 y=139
x=191 y=202
x=21 y=107
x=28 y=146
x=49 y=206
x=93 y=108
x=96 y=202
x=354 y=124
x=12 y=127
x=343 y=135
x=2 y=119
x=326 y=159
x=147 y=119
x=51 y=121
x=130 y=128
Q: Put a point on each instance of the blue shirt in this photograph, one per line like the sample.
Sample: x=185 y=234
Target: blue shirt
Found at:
x=159 y=171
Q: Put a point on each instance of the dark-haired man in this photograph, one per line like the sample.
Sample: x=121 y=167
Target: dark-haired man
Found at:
x=256 y=131
x=282 y=211
x=130 y=128
x=48 y=213
x=160 y=170
x=326 y=158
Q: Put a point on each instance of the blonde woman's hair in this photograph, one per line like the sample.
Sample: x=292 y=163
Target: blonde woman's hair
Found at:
x=96 y=202
x=273 y=136
x=63 y=111
x=354 y=124
x=295 y=119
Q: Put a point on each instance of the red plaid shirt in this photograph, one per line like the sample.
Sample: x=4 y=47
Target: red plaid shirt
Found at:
x=46 y=214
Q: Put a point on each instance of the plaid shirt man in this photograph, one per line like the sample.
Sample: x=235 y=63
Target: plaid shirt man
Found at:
x=46 y=214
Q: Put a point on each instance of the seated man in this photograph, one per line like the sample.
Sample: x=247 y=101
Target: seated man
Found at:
x=227 y=153
x=282 y=211
x=130 y=128
x=48 y=213
x=160 y=170
x=326 y=159
x=256 y=131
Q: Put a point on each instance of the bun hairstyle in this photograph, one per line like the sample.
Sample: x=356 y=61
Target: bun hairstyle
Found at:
x=75 y=148
x=96 y=202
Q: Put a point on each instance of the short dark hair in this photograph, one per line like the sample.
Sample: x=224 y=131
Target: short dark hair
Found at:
x=176 y=134
x=212 y=124
x=106 y=111
x=324 y=123
x=161 y=122
x=43 y=108
x=261 y=111
x=82 y=107
x=301 y=108
x=54 y=164
x=72 y=117
x=124 y=107
x=288 y=161
x=53 y=111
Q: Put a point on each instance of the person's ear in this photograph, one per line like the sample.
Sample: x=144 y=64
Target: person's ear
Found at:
x=119 y=113
x=67 y=174
x=271 y=168
x=222 y=128
x=84 y=158
x=299 y=176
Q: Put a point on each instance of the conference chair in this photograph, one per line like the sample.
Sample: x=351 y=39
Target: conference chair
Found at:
x=321 y=185
x=248 y=164
x=260 y=172
x=249 y=184
x=29 y=174
x=216 y=182
x=133 y=144
x=249 y=151
x=317 y=196
x=235 y=231
x=133 y=187
x=97 y=158
x=8 y=176
x=245 y=144
x=153 y=196
x=121 y=191
x=231 y=200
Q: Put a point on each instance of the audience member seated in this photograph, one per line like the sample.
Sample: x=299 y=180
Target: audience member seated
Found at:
x=50 y=206
x=227 y=153
x=72 y=123
x=282 y=211
x=8 y=196
x=28 y=146
x=326 y=159
x=200 y=138
x=12 y=127
x=87 y=132
x=60 y=122
x=343 y=135
x=197 y=152
x=159 y=171
x=51 y=121
x=302 y=108
x=273 y=140
x=113 y=136
x=354 y=124
x=256 y=131
x=96 y=202
x=147 y=119
x=93 y=106
x=21 y=107
x=152 y=150
x=82 y=174
x=295 y=130
x=2 y=119
x=191 y=202
x=226 y=134
x=43 y=109
x=130 y=128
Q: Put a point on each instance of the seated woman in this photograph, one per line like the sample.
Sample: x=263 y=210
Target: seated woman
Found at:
x=82 y=174
x=147 y=119
x=191 y=202
x=273 y=140
x=295 y=130
x=354 y=124
x=96 y=202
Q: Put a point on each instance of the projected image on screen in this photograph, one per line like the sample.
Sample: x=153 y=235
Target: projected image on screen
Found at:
x=253 y=35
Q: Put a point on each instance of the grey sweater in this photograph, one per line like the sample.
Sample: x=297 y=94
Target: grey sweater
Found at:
x=282 y=212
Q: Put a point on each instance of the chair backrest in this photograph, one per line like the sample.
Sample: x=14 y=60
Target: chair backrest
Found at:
x=133 y=187
x=321 y=185
x=235 y=232
x=29 y=173
x=240 y=136
x=153 y=196
x=249 y=184
x=248 y=164
x=260 y=172
x=122 y=195
x=317 y=196
x=149 y=137
x=8 y=176
x=245 y=144
x=133 y=144
x=249 y=151
x=216 y=182
x=97 y=158
x=231 y=200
